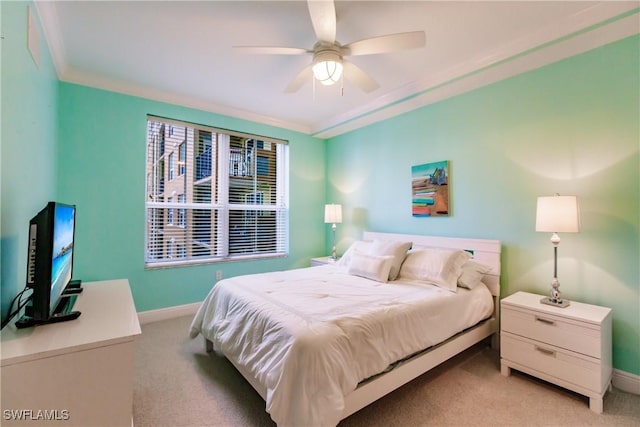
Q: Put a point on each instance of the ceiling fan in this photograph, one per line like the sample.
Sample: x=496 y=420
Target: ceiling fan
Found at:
x=328 y=62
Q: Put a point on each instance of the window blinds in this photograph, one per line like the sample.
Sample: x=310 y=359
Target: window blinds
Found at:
x=225 y=198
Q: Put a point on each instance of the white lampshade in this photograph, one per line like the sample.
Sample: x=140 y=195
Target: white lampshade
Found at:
x=327 y=72
x=327 y=67
x=558 y=214
x=333 y=214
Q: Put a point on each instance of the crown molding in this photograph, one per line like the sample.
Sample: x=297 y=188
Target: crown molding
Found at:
x=49 y=21
x=140 y=91
x=601 y=24
x=50 y=25
x=588 y=30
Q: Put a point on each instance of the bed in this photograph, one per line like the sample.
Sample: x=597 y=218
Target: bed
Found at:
x=320 y=343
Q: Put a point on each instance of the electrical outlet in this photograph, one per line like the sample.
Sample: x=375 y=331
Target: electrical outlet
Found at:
x=218 y=275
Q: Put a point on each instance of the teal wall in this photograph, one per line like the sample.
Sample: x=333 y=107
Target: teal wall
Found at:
x=84 y=146
x=28 y=142
x=571 y=127
x=102 y=170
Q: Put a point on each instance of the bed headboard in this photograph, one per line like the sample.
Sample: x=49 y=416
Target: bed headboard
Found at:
x=484 y=251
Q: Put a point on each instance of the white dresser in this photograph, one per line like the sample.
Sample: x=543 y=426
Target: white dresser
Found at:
x=75 y=373
x=570 y=347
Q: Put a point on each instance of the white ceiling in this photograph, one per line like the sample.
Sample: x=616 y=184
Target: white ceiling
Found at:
x=181 y=51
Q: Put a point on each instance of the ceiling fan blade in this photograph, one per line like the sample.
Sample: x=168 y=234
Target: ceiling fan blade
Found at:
x=299 y=80
x=271 y=50
x=323 y=18
x=355 y=75
x=384 y=44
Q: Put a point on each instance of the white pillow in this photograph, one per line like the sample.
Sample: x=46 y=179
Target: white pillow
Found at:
x=398 y=250
x=370 y=266
x=359 y=246
x=472 y=273
x=440 y=267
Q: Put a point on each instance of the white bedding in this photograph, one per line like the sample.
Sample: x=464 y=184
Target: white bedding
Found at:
x=310 y=335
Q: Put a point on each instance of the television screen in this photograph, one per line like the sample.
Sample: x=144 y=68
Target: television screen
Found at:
x=62 y=254
x=50 y=264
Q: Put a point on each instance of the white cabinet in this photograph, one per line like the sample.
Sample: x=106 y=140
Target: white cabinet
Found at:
x=570 y=347
x=76 y=373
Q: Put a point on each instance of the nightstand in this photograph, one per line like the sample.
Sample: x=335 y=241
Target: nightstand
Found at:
x=570 y=347
x=322 y=260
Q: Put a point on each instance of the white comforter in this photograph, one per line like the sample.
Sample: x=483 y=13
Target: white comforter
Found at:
x=309 y=336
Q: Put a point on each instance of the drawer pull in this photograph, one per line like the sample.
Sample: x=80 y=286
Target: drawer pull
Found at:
x=543 y=320
x=546 y=351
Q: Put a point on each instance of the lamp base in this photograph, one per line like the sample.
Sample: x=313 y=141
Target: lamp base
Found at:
x=556 y=302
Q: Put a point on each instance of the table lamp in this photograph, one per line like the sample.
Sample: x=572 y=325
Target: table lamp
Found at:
x=333 y=216
x=557 y=214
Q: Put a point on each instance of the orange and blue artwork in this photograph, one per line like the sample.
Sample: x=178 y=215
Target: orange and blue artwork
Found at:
x=430 y=189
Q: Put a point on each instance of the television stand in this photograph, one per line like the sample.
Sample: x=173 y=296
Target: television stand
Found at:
x=62 y=313
x=68 y=291
x=84 y=367
x=73 y=288
x=74 y=284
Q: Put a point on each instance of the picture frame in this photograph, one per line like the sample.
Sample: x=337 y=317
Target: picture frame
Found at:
x=430 y=189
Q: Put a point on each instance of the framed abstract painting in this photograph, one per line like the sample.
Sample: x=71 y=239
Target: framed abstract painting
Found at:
x=430 y=189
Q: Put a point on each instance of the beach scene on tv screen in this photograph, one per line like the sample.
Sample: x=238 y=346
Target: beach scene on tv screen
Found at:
x=62 y=248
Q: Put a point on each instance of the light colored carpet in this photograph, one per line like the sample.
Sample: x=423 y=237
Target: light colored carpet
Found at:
x=177 y=383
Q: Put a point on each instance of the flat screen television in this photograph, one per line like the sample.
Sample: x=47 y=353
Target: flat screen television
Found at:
x=50 y=266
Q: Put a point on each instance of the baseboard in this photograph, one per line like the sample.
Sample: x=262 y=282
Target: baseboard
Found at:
x=168 y=313
x=626 y=381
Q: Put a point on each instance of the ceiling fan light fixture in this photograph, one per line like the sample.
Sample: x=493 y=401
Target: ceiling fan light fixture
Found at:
x=327 y=64
x=327 y=67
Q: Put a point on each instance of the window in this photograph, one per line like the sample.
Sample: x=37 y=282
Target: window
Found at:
x=182 y=213
x=182 y=158
x=170 y=212
x=181 y=253
x=229 y=199
x=170 y=245
x=171 y=166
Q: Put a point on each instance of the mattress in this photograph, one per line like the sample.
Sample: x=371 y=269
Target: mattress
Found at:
x=309 y=336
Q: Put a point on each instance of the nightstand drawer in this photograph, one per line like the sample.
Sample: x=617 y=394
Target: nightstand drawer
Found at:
x=553 y=330
x=578 y=369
